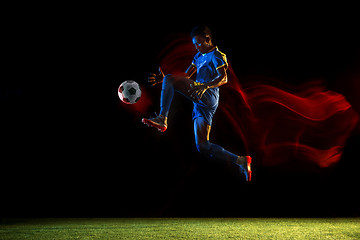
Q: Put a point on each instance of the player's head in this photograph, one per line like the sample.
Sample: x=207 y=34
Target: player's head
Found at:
x=202 y=38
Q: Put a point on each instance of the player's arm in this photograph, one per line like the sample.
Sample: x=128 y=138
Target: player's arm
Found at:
x=190 y=71
x=154 y=79
x=220 y=80
x=196 y=92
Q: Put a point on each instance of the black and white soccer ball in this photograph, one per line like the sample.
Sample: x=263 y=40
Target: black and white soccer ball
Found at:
x=129 y=92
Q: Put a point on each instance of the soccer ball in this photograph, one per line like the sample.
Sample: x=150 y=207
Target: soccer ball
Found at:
x=129 y=92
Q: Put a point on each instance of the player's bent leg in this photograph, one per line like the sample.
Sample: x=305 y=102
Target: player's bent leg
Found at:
x=216 y=151
x=167 y=94
x=202 y=131
x=170 y=83
x=182 y=85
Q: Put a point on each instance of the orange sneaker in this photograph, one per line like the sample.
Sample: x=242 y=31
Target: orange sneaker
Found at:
x=248 y=167
x=158 y=122
x=244 y=162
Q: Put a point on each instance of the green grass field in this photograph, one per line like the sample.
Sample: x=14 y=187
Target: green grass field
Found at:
x=180 y=228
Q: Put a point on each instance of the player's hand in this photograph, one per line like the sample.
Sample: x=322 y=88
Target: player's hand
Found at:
x=154 y=79
x=196 y=92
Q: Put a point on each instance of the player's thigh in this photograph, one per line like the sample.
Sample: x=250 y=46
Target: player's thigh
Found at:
x=201 y=130
x=183 y=85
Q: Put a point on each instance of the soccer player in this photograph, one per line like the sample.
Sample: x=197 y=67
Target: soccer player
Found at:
x=210 y=66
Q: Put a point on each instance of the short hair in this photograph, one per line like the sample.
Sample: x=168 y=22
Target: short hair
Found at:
x=201 y=30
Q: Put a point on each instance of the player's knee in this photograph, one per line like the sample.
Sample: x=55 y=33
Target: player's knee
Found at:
x=168 y=78
x=203 y=147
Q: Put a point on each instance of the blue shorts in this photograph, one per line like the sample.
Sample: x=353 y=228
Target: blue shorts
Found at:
x=207 y=105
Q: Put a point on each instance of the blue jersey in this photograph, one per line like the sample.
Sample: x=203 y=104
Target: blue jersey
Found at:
x=207 y=65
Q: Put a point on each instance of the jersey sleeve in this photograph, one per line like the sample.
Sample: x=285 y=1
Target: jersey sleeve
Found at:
x=219 y=60
x=194 y=60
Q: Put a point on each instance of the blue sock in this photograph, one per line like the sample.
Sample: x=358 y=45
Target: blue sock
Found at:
x=216 y=151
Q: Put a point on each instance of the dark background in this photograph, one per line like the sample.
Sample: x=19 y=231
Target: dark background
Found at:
x=70 y=148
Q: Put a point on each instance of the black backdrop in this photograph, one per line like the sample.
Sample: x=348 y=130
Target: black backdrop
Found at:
x=71 y=149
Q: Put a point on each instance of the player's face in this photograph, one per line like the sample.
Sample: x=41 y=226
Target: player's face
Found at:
x=201 y=43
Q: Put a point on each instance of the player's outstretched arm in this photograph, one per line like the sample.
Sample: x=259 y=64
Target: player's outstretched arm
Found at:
x=154 y=79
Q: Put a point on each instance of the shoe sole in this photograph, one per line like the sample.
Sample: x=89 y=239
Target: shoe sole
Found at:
x=153 y=124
